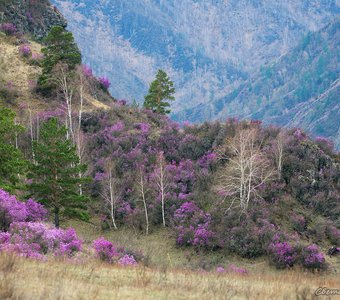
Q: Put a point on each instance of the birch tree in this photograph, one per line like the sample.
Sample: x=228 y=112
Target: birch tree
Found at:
x=110 y=192
x=63 y=80
x=81 y=86
x=161 y=182
x=142 y=189
x=245 y=171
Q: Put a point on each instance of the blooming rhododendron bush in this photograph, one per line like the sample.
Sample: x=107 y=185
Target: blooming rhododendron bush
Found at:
x=153 y=173
x=24 y=231
x=232 y=188
x=110 y=253
x=13 y=211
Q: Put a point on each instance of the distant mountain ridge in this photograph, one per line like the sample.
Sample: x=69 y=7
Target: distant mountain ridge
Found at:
x=300 y=89
x=211 y=49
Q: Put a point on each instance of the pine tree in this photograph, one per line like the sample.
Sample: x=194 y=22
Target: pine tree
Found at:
x=161 y=90
x=12 y=163
x=55 y=173
x=60 y=48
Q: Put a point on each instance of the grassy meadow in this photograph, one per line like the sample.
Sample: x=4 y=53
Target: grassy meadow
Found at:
x=29 y=279
x=166 y=273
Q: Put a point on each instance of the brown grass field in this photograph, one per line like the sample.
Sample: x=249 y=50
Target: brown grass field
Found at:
x=28 y=279
x=167 y=273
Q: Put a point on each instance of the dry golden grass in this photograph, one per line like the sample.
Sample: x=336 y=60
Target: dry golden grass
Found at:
x=17 y=70
x=14 y=69
x=28 y=279
x=160 y=249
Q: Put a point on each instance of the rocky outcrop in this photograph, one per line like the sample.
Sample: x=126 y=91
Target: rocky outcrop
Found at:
x=29 y=16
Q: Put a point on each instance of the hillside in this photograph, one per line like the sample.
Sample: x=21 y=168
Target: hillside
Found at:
x=100 y=198
x=301 y=89
x=34 y=17
x=18 y=91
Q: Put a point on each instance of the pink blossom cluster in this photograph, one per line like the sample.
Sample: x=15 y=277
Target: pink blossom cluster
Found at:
x=193 y=226
x=12 y=210
x=312 y=257
x=299 y=135
x=127 y=260
x=207 y=160
x=8 y=28
x=110 y=253
x=143 y=127
x=105 y=250
x=121 y=102
x=25 y=50
x=24 y=233
x=34 y=239
x=104 y=82
x=87 y=71
x=283 y=254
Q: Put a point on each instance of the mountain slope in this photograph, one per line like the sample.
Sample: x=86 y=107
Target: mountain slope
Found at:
x=208 y=47
x=300 y=89
x=35 y=17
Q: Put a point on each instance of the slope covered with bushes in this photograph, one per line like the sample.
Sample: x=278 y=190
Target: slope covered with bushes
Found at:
x=224 y=188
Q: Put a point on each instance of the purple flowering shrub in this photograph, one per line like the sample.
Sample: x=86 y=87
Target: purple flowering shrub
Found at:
x=244 y=241
x=27 y=236
x=313 y=258
x=127 y=260
x=8 y=28
x=243 y=236
x=25 y=51
x=110 y=253
x=104 y=83
x=12 y=210
x=121 y=102
x=33 y=239
x=36 y=212
x=282 y=254
x=4 y=238
x=143 y=127
x=87 y=71
x=192 y=227
x=105 y=250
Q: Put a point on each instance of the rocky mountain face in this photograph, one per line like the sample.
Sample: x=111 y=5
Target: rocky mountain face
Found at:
x=34 y=16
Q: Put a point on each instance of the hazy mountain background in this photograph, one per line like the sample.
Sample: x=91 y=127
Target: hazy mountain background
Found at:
x=273 y=60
